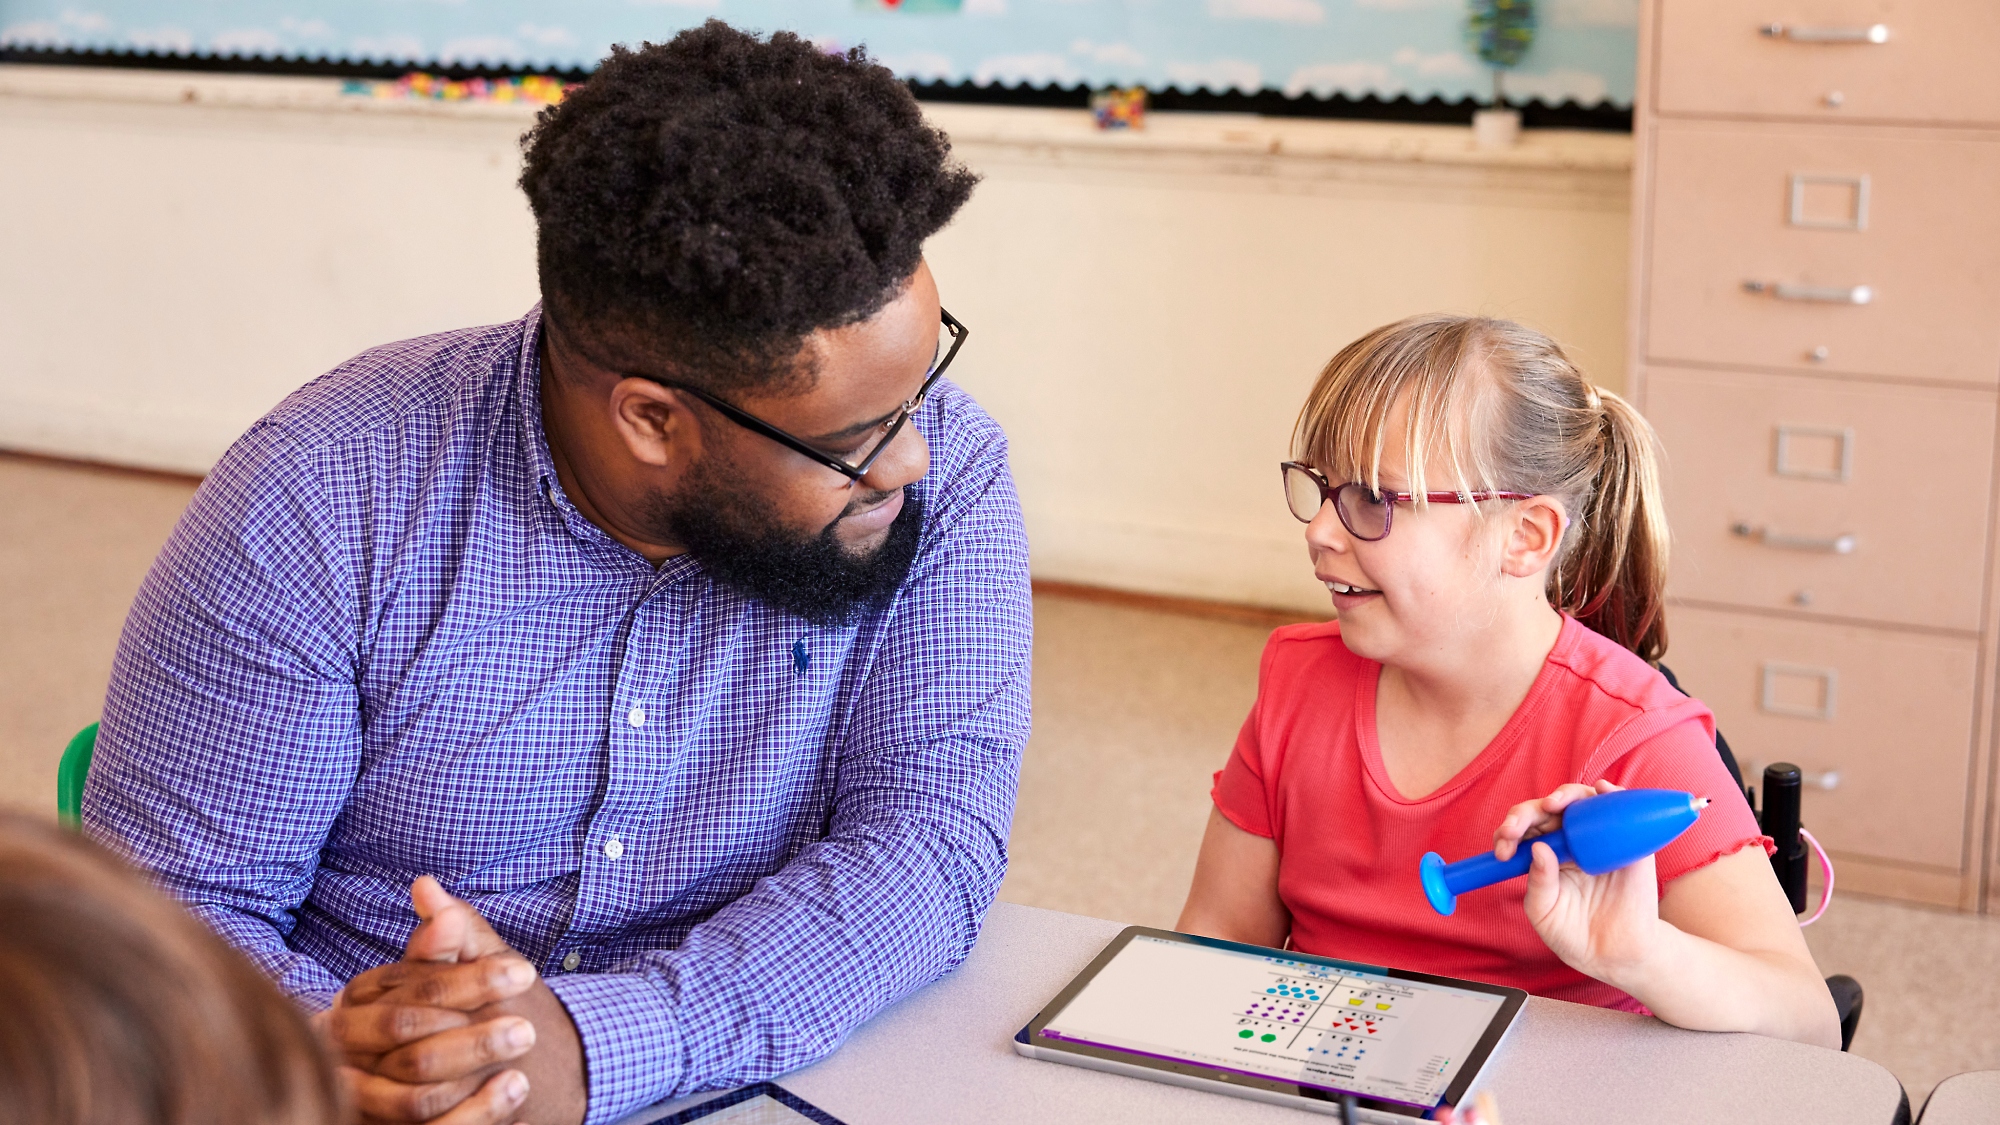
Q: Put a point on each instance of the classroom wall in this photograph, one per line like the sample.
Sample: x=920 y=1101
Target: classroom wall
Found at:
x=1147 y=311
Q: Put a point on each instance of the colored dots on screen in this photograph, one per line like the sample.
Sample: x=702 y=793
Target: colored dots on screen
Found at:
x=1268 y=1037
x=1245 y=1033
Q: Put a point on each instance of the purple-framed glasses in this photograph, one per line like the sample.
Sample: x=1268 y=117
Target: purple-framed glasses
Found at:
x=1365 y=512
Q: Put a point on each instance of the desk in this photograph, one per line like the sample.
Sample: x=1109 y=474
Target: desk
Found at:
x=945 y=1055
x=1964 y=1099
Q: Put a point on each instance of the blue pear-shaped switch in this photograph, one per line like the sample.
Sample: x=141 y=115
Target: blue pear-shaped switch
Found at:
x=1598 y=834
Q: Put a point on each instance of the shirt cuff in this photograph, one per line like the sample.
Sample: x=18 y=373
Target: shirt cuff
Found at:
x=313 y=1003
x=631 y=1054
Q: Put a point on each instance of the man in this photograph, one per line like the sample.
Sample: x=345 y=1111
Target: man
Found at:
x=679 y=629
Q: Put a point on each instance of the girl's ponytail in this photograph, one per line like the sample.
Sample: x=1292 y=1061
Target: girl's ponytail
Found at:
x=1613 y=577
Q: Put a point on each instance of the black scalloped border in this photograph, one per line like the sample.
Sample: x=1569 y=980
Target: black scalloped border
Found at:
x=1268 y=102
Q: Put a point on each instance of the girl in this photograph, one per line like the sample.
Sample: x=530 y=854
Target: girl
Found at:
x=116 y=1006
x=1489 y=525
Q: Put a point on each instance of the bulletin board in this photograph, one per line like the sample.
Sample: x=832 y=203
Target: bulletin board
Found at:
x=1585 y=51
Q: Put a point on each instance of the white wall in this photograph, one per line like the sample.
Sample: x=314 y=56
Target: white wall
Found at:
x=1147 y=310
x=1147 y=320
x=172 y=269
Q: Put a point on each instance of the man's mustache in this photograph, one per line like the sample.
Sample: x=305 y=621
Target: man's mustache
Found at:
x=863 y=502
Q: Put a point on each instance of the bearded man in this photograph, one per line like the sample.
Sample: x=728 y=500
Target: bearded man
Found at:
x=627 y=700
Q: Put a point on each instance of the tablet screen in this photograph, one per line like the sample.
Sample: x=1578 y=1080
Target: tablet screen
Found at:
x=1388 y=1036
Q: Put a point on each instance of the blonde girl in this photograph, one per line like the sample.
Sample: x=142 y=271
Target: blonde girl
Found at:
x=1489 y=527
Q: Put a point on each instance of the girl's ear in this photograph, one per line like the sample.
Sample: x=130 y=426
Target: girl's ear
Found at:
x=1536 y=532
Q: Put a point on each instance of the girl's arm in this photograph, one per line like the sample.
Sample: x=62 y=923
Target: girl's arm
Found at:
x=1721 y=952
x=1733 y=930
x=1235 y=891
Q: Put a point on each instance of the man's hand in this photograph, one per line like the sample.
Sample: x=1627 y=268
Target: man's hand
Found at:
x=430 y=1037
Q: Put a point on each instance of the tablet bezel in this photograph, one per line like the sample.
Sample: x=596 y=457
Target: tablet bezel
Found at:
x=771 y=1090
x=1512 y=1000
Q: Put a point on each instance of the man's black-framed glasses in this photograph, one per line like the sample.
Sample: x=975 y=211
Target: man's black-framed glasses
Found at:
x=951 y=337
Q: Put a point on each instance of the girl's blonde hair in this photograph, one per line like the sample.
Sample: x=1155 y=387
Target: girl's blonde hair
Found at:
x=117 y=1005
x=1498 y=406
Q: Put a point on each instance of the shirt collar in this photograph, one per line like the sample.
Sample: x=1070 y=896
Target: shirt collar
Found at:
x=542 y=465
x=535 y=440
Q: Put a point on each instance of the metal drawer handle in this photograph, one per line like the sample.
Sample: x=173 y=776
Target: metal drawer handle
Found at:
x=1838 y=294
x=1828 y=780
x=1873 y=33
x=1770 y=537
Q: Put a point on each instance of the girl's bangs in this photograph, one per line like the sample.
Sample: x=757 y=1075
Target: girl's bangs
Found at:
x=1343 y=430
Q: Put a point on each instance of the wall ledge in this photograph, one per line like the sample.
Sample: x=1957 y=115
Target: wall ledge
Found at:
x=1248 y=135
x=231 y=91
x=1184 y=134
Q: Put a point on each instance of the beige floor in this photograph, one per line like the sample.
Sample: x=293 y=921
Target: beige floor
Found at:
x=74 y=543
x=1133 y=711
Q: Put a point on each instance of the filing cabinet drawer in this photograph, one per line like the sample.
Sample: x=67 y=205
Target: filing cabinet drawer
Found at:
x=1887 y=714
x=1821 y=496
x=1933 y=66
x=1815 y=216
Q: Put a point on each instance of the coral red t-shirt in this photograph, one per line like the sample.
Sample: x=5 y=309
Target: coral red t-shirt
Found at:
x=1307 y=773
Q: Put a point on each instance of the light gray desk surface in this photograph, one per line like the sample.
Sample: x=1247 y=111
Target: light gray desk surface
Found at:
x=945 y=1055
x=1964 y=1099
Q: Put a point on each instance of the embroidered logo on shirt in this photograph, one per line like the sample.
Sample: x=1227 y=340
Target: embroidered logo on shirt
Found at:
x=801 y=659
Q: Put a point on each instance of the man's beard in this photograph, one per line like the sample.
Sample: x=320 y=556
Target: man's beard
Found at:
x=735 y=539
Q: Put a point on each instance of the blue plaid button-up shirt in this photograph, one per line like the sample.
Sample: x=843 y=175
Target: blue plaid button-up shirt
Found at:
x=382 y=643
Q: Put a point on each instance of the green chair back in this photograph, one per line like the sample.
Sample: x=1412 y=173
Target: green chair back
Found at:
x=71 y=773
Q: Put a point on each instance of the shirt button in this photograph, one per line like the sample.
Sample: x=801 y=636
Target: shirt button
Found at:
x=613 y=848
x=636 y=716
x=571 y=960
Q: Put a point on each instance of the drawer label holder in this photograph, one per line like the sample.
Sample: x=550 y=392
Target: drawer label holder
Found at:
x=1779 y=694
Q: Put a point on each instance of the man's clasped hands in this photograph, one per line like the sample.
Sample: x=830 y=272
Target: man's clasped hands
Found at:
x=461 y=1031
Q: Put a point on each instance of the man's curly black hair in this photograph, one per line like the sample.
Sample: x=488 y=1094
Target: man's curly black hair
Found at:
x=702 y=205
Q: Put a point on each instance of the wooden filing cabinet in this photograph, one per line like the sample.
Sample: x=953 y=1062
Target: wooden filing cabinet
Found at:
x=1816 y=336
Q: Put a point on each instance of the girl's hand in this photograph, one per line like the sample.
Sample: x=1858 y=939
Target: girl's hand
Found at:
x=1600 y=925
x=1540 y=816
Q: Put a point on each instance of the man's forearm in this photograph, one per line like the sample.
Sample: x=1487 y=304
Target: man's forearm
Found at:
x=778 y=978
x=305 y=980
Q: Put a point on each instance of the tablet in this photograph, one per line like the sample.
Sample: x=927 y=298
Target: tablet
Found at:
x=1275 y=1025
x=765 y=1103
